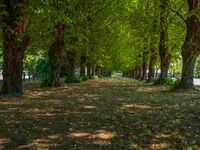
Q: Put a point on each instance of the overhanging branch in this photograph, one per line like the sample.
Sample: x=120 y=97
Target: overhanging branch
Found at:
x=177 y=13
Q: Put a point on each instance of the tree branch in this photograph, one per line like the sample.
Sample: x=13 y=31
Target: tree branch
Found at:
x=177 y=13
x=102 y=28
x=101 y=9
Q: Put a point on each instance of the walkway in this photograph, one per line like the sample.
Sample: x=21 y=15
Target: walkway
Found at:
x=107 y=114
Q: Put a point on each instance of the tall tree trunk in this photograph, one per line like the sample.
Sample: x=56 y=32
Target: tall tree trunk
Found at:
x=56 y=53
x=89 y=69
x=144 y=71
x=16 y=40
x=83 y=64
x=139 y=73
x=191 y=46
x=144 y=63
x=153 y=51
x=165 y=57
x=152 y=63
x=70 y=66
x=93 y=70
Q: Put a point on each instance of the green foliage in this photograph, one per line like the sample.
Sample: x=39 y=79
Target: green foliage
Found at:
x=84 y=78
x=94 y=77
x=74 y=79
x=197 y=70
x=46 y=82
x=100 y=76
x=41 y=67
x=169 y=83
x=154 y=80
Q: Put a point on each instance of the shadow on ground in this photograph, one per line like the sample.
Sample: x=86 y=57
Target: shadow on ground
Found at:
x=102 y=114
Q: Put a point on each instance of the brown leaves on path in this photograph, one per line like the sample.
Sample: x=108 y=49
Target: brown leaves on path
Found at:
x=109 y=113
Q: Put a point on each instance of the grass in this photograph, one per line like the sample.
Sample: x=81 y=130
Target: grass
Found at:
x=108 y=113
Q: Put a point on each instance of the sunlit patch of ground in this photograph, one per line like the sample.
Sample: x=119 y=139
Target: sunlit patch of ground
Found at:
x=109 y=113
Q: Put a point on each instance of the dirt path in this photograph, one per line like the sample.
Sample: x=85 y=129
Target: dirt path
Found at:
x=110 y=113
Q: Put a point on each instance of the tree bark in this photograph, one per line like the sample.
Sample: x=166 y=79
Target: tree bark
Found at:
x=55 y=54
x=144 y=63
x=153 y=51
x=83 y=64
x=139 y=73
x=16 y=40
x=89 y=69
x=191 y=46
x=152 y=63
x=165 y=57
x=70 y=66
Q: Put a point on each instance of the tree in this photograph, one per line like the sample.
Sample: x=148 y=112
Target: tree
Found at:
x=56 y=53
x=165 y=56
x=191 y=46
x=153 y=43
x=15 y=19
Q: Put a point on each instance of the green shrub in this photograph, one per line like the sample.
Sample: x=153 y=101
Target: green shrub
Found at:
x=46 y=82
x=94 y=77
x=84 y=78
x=171 y=83
x=100 y=76
x=74 y=79
x=154 y=80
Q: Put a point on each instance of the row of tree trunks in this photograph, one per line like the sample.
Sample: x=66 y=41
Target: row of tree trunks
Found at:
x=16 y=40
x=191 y=46
x=56 y=53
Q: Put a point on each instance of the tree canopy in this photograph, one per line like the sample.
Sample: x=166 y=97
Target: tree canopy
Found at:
x=136 y=37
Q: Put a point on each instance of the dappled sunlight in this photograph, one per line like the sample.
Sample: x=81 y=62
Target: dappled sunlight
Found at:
x=32 y=146
x=89 y=107
x=79 y=134
x=11 y=102
x=134 y=146
x=105 y=135
x=115 y=115
x=48 y=111
x=163 y=136
x=11 y=110
x=91 y=95
x=81 y=99
x=3 y=141
x=43 y=140
x=42 y=143
x=159 y=146
x=44 y=111
x=137 y=106
x=150 y=89
x=38 y=146
x=99 y=134
x=101 y=142
x=54 y=136
x=38 y=94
